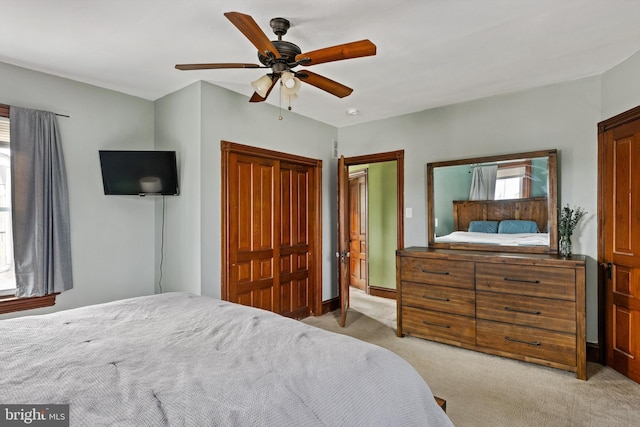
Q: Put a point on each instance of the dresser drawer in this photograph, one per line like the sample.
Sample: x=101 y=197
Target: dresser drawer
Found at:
x=529 y=342
x=438 y=272
x=548 y=282
x=439 y=298
x=557 y=315
x=439 y=326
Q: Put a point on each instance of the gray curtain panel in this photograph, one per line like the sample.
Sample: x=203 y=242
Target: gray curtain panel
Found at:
x=483 y=182
x=40 y=204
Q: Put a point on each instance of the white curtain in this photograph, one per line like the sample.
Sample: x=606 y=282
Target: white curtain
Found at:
x=483 y=182
x=40 y=204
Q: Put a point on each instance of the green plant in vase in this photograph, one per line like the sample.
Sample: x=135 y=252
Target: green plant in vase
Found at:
x=567 y=221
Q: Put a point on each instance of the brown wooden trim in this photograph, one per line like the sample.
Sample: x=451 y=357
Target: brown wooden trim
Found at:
x=12 y=304
x=330 y=305
x=232 y=147
x=498 y=158
x=4 y=110
x=374 y=158
x=224 y=223
x=620 y=119
x=441 y=403
x=316 y=254
x=595 y=353
x=379 y=291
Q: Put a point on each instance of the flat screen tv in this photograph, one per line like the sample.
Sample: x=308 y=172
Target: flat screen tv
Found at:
x=137 y=172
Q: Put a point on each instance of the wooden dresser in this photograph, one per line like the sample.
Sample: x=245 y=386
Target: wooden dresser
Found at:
x=528 y=307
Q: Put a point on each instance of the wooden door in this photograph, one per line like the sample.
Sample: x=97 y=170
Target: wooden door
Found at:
x=342 y=255
x=271 y=230
x=253 y=244
x=358 y=230
x=619 y=204
x=295 y=199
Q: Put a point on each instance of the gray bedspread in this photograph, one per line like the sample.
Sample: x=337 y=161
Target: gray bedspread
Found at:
x=183 y=360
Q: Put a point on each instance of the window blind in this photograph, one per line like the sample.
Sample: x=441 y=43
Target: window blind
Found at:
x=4 y=129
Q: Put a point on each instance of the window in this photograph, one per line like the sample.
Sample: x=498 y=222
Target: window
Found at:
x=513 y=180
x=7 y=273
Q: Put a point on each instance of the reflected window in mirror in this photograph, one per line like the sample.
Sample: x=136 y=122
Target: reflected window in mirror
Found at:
x=513 y=180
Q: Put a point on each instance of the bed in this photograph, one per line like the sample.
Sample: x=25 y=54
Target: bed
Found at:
x=184 y=360
x=515 y=222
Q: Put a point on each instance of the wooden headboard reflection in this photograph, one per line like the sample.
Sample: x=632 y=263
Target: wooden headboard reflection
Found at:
x=532 y=209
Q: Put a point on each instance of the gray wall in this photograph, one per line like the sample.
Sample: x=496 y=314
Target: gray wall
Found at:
x=112 y=237
x=621 y=88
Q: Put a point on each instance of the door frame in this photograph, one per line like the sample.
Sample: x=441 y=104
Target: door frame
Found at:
x=315 y=235
x=604 y=126
x=388 y=156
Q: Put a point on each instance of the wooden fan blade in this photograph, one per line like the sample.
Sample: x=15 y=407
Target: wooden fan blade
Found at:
x=257 y=98
x=186 y=67
x=336 y=53
x=252 y=31
x=324 y=83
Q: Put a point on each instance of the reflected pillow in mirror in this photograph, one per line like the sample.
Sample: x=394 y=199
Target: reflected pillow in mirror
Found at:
x=483 y=226
x=513 y=226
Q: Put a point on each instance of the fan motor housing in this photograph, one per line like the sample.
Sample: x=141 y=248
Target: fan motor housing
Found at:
x=287 y=50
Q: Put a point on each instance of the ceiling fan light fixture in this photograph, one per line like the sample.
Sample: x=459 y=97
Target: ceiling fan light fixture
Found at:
x=290 y=83
x=262 y=85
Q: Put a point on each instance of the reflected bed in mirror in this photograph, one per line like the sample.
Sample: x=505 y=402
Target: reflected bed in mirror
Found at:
x=503 y=203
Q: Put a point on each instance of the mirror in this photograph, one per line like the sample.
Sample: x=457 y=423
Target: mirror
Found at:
x=505 y=203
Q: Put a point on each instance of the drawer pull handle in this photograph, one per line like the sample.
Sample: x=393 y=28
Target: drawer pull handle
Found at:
x=533 y=343
x=518 y=310
x=436 y=324
x=509 y=279
x=436 y=298
x=444 y=273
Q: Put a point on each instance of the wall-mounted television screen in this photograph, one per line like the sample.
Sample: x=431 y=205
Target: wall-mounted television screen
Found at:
x=137 y=172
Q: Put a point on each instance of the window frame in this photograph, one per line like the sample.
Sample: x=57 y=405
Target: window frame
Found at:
x=525 y=178
x=12 y=303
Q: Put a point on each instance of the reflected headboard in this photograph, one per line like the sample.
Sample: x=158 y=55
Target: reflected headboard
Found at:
x=532 y=209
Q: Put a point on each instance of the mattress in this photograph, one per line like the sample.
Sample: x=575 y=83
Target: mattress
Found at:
x=179 y=359
x=517 y=239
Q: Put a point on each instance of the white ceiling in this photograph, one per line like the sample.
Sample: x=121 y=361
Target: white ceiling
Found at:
x=430 y=52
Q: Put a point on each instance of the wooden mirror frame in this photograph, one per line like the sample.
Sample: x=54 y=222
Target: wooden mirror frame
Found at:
x=552 y=203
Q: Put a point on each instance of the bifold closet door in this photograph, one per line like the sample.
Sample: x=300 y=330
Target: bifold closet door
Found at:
x=296 y=183
x=271 y=206
x=253 y=224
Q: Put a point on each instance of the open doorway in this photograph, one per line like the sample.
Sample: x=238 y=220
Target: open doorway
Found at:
x=374 y=223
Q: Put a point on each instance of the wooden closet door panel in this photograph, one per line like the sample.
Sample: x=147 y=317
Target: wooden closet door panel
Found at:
x=253 y=250
x=295 y=199
x=622 y=247
x=358 y=232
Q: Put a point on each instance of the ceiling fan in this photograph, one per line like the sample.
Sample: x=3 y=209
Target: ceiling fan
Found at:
x=282 y=56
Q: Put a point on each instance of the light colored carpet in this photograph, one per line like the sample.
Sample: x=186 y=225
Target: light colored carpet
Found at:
x=485 y=390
